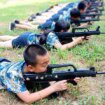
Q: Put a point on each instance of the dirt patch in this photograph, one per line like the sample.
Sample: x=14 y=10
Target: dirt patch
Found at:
x=9 y=99
x=101 y=64
x=12 y=54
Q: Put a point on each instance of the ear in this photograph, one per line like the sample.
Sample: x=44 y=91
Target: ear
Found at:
x=30 y=68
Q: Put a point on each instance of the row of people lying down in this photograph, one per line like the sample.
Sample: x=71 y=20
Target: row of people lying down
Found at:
x=44 y=16
x=67 y=16
x=49 y=38
x=59 y=9
x=74 y=14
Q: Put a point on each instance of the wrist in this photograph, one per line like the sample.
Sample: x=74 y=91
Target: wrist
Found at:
x=52 y=88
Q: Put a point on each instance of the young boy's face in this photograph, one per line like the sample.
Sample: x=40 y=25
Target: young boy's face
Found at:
x=83 y=11
x=75 y=18
x=42 y=63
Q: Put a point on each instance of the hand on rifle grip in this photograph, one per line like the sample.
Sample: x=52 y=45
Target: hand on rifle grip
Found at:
x=85 y=37
x=60 y=85
x=89 y=23
x=74 y=81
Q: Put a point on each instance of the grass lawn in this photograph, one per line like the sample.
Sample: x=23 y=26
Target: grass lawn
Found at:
x=90 y=91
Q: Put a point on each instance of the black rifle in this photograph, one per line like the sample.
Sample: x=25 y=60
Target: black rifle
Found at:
x=57 y=75
x=78 y=22
x=74 y=33
x=93 y=14
x=95 y=10
x=97 y=3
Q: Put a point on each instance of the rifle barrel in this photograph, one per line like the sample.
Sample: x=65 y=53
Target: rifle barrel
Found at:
x=94 y=14
x=88 y=20
x=77 y=34
x=95 y=10
x=102 y=32
x=100 y=73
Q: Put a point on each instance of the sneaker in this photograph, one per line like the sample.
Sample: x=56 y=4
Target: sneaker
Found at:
x=33 y=16
x=38 y=14
x=16 y=21
x=11 y=26
x=30 y=19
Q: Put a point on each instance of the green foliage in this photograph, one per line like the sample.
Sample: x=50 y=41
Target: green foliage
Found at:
x=90 y=100
x=62 y=54
x=90 y=51
x=53 y=60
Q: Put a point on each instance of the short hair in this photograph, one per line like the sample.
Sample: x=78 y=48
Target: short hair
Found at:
x=87 y=2
x=81 y=5
x=75 y=13
x=61 y=25
x=31 y=52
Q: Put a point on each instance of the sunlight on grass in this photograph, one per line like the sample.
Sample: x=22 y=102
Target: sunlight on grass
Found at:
x=13 y=3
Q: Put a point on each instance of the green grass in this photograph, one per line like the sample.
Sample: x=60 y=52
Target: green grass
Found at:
x=90 y=100
x=90 y=53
